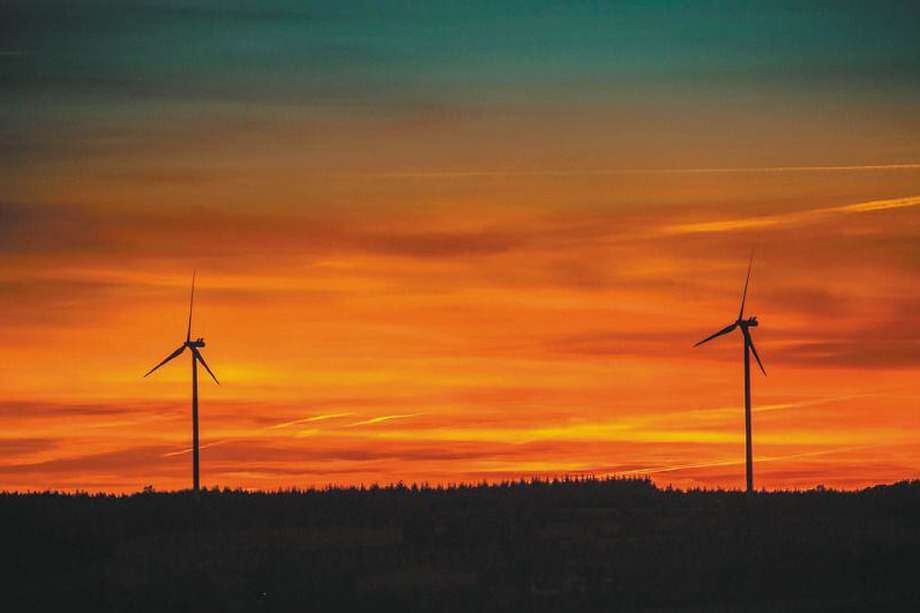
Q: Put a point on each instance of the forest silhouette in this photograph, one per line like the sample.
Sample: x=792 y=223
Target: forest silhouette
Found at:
x=582 y=544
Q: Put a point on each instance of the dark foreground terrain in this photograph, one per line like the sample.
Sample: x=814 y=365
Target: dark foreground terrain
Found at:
x=560 y=546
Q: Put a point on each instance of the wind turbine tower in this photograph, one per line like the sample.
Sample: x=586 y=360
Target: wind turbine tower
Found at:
x=194 y=346
x=745 y=325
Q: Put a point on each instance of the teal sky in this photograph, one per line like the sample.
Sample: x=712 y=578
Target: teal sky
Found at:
x=77 y=67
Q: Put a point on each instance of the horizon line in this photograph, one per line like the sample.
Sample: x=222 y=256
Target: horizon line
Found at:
x=563 y=478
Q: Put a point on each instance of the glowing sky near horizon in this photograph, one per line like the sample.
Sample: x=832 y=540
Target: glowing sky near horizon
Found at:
x=442 y=242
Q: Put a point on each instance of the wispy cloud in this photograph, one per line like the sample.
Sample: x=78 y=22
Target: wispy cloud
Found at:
x=301 y=433
x=308 y=420
x=377 y=420
x=770 y=407
x=810 y=215
x=460 y=174
x=696 y=425
x=189 y=449
x=736 y=462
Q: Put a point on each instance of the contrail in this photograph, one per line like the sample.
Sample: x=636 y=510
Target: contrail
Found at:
x=749 y=223
x=637 y=424
x=677 y=467
x=272 y=427
x=315 y=418
x=308 y=419
x=189 y=449
x=777 y=407
x=634 y=171
x=377 y=420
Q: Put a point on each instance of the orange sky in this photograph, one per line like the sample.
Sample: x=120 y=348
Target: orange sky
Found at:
x=462 y=289
x=508 y=333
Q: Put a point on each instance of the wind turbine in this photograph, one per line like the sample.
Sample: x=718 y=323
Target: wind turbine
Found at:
x=745 y=325
x=193 y=346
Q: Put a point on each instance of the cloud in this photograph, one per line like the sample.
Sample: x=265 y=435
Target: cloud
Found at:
x=437 y=244
x=736 y=462
x=33 y=228
x=76 y=232
x=807 y=216
x=858 y=352
x=377 y=420
x=604 y=343
x=575 y=172
x=325 y=451
x=879 y=335
x=22 y=446
x=308 y=419
x=10 y=409
x=136 y=461
x=280 y=426
x=200 y=447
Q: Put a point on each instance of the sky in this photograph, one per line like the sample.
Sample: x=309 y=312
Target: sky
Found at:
x=458 y=242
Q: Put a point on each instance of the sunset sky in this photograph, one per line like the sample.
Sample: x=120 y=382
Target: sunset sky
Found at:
x=455 y=242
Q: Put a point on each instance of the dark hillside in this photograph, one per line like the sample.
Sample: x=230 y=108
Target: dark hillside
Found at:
x=546 y=546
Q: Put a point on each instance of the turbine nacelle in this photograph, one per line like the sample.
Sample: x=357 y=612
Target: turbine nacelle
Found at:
x=192 y=345
x=742 y=323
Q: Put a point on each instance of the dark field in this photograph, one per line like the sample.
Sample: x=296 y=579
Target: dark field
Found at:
x=569 y=545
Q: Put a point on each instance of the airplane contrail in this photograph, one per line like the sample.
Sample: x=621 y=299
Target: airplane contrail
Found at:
x=308 y=419
x=794 y=456
x=638 y=424
x=190 y=449
x=459 y=174
x=750 y=223
x=315 y=418
x=377 y=420
x=771 y=407
x=272 y=427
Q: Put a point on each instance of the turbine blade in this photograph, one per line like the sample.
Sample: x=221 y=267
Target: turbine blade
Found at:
x=200 y=358
x=172 y=355
x=746 y=281
x=750 y=342
x=191 y=303
x=724 y=330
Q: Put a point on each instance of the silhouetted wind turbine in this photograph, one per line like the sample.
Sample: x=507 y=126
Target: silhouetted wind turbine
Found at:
x=749 y=348
x=193 y=346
